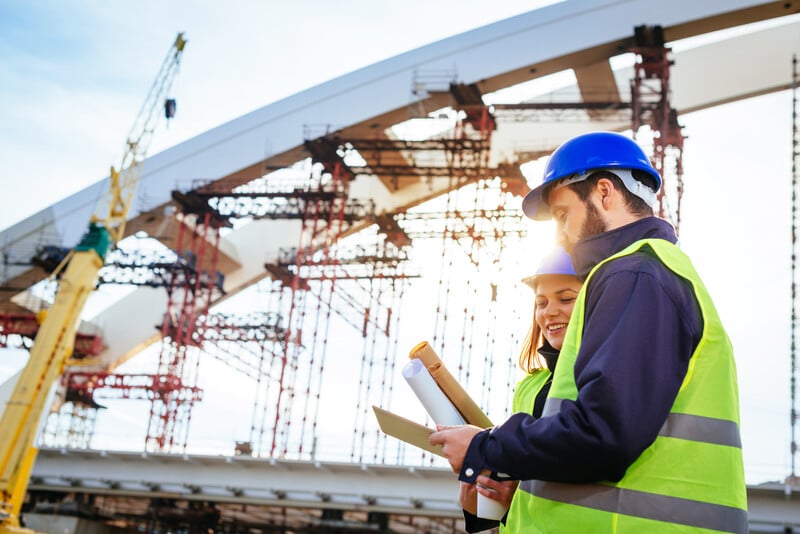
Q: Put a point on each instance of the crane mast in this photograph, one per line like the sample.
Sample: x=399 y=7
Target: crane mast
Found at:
x=54 y=341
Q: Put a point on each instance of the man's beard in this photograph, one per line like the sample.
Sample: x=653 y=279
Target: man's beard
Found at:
x=594 y=223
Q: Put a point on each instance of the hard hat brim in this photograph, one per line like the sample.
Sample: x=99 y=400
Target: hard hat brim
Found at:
x=534 y=205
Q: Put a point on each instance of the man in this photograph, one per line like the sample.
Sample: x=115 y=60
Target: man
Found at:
x=640 y=431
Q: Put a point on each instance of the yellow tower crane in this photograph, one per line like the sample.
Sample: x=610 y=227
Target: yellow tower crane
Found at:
x=54 y=342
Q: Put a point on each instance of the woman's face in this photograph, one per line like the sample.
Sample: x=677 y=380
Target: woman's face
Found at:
x=555 y=298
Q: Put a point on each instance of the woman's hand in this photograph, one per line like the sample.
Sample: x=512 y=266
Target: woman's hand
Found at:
x=468 y=498
x=502 y=492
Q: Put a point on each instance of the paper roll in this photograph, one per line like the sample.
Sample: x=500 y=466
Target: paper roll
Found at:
x=428 y=392
x=489 y=508
x=470 y=410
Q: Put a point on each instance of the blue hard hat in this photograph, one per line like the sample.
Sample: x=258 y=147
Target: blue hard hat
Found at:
x=585 y=153
x=555 y=262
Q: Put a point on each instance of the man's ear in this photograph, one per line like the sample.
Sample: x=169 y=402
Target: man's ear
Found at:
x=605 y=189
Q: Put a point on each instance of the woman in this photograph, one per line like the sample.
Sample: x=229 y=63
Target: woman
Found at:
x=556 y=287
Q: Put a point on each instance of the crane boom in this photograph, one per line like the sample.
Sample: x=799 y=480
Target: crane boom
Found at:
x=113 y=211
x=54 y=341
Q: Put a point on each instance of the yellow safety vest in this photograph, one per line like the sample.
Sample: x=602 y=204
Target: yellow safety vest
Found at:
x=691 y=478
x=524 y=398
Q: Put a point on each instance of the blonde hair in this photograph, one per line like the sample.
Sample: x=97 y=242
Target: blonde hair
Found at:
x=529 y=358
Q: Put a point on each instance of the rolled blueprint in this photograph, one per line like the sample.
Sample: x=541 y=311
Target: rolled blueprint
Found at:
x=467 y=407
x=428 y=392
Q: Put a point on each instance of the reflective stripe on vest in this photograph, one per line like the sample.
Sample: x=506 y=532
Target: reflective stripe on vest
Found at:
x=691 y=477
x=641 y=504
x=683 y=426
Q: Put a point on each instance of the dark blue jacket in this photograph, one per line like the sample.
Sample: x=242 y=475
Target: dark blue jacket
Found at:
x=642 y=324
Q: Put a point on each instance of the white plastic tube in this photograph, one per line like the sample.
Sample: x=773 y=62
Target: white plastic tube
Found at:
x=428 y=392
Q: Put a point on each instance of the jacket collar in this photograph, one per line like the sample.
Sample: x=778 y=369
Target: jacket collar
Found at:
x=549 y=354
x=590 y=251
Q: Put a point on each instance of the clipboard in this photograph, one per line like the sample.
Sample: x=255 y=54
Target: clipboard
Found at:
x=406 y=430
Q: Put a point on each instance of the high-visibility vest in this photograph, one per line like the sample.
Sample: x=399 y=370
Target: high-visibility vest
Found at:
x=691 y=478
x=525 y=393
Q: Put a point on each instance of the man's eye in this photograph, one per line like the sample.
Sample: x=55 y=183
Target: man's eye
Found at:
x=567 y=300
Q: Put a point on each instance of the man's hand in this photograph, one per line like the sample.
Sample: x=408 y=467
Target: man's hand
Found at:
x=454 y=441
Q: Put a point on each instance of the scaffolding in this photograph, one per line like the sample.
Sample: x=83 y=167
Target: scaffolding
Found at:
x=189 y=276
x=652 y=110
x=18 y=330
x=352 y=268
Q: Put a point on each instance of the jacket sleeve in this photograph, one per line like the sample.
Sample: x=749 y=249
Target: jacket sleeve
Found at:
x=473 y=523
x=641 y=327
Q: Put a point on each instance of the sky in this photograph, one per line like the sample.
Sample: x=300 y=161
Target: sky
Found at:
x=75 y=73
